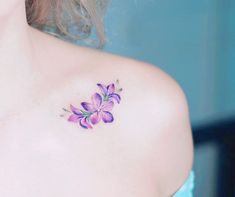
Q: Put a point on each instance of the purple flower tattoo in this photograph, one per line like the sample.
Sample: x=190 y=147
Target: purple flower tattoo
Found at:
x=108 y=92
x=98 y=109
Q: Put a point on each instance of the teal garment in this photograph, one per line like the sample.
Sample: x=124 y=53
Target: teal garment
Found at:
x=187 y=188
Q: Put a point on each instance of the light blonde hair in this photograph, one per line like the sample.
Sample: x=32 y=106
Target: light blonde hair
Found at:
x=60 y=16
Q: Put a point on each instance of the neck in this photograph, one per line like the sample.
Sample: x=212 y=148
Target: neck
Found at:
x=15 y=42
x=16 y=61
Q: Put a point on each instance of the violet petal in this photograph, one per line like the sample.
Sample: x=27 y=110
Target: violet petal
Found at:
x=107 y=116
x=103 y=88
x=111 y=88
x=96 y=100
x=75 y=110
x=88 y=106
x=74 y=118
x=95 y=117
x=116 y=97
x=84 y=123
x=107 y=105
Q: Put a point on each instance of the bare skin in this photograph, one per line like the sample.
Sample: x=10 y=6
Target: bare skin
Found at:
x=146 y=151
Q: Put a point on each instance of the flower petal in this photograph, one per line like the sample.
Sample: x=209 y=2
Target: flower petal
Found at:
x=75 y=110
x=84 y=123
x=74 y=118
x=107 y=116
x=96 y=100
x=103 y=88
x=95 y=117
x=111 y=88
x=88 y=106
x=116 y=97
x=107 y=105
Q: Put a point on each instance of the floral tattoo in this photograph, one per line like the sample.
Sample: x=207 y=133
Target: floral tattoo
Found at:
x=99 y=108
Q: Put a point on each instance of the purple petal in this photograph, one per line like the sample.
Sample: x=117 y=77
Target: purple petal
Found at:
x=75 y=110
x=96 y=100
x=84 y=123
x=107 y=105
x=88 y=106
x=107 y=116
x=74 y=118
x=111 y=88
x=103 y=88
x=95 y=117
x=116 y=97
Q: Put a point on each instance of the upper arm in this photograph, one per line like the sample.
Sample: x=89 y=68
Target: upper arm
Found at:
x=168 y=121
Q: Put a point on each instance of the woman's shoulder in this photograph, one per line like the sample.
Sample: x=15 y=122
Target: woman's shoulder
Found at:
x=160 y=103
x=153 y=110
x=155 y=113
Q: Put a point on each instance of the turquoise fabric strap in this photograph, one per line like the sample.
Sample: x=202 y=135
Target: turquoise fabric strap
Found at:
x=187 y=189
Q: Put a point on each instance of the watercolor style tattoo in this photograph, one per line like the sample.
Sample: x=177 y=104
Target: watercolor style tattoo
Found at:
x=98 y=109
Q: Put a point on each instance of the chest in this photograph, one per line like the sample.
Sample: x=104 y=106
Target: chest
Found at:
x=49 y=157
